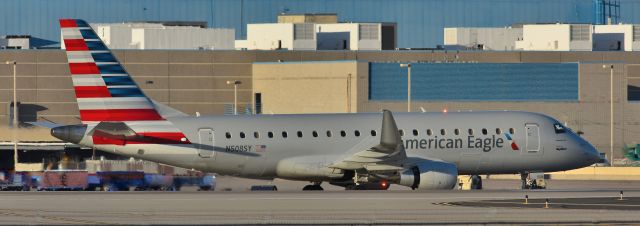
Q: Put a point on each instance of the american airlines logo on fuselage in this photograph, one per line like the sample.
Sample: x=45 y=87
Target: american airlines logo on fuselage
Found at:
x=472 y=142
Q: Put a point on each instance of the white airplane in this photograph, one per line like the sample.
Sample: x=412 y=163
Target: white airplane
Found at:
x=362 y=150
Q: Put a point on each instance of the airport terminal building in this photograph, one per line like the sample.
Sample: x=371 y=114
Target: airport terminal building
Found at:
x=574 y=87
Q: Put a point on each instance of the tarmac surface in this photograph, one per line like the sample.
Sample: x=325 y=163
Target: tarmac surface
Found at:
x=492 y=206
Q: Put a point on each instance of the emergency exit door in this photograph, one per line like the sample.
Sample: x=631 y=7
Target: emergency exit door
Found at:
x=206 y=142
x=533 y=138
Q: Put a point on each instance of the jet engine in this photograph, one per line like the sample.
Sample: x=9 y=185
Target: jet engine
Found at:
x=430 y=175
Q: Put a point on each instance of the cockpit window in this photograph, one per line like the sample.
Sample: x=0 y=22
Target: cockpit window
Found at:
x=559 y=128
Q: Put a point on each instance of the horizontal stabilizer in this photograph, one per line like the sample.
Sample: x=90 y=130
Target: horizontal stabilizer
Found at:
x=113 y=129
x=49 y=125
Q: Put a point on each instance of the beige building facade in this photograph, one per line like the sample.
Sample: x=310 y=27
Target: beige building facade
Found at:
x=310 y=87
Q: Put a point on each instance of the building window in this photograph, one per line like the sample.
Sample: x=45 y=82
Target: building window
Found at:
x=299 y=133
x=470 y=131
x=228 y=135
x=368 y=31
x=256 y=135
x=357 y=133
x=270 y=134
x=484 y=131
x=512 y=131
x=343 y=133
x=373 y=133
x=401 y=132
x=580 y=32
x=415 y=132
x=284 y=134
x=314 y=133
x=498 y=131
x=328 y=133
x=429 y=132
x=443 y=132
x=303 y=31
x=456 y=131
x=242 y=135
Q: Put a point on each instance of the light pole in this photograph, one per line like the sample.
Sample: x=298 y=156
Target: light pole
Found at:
x=235 y=84
x=349 y=93
x=408 y=66
x=15 y=115
x=611 y=110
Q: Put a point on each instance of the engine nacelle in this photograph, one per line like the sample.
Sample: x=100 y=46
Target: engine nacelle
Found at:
x=430 y=175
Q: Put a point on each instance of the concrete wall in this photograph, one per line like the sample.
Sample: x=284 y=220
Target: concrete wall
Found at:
x=498 y=39
x=158 y=36
x=310 y=87
x=606 y=37
x=551 y=37
x=266 y=37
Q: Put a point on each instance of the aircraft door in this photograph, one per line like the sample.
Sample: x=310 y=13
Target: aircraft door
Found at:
x=532 y=145
x=206 y=143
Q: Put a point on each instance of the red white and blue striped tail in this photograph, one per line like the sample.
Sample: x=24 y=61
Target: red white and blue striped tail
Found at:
x=106 y=93
x=104 y=90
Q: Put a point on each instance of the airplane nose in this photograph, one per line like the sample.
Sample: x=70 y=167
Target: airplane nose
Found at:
x=590 y=152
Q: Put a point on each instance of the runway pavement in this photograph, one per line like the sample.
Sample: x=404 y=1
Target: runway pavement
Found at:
x=296 y=207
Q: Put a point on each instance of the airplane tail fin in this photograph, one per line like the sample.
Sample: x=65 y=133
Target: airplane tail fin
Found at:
x=104 y=90
x=108 y=98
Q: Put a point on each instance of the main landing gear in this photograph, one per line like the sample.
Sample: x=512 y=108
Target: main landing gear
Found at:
x=313 y=187
x=476 y=182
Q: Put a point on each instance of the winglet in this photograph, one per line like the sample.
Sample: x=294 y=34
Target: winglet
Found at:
x=390 y=136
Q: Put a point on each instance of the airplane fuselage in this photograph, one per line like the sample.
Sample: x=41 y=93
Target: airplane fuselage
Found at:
x=296 y=146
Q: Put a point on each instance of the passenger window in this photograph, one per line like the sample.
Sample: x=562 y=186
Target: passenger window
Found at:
x=401 y=132
x=470 y=131
x=558 y=128
x=270 y=134
x=299 y=133
x=228 y=135
x=415 y=132
x=373 y=133
x=429 y=132
x=443 y=132
x=498 y=131
x=484 y=131
x=314 y=133
x=284 y=134
x=357 y=133
x=343 y=133
x=512 y=131
x=242 y=135
x=256 y=135
x=328 y=133
x=456 y=131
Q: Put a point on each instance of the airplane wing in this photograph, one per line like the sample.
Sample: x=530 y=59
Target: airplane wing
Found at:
x=388 y=154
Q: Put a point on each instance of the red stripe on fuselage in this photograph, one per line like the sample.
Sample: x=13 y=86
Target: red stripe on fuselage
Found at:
x=141 y=138
x=68 y=23
x=75 y=45
x=119 y=115
x=91 y=91
x=83 y=68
